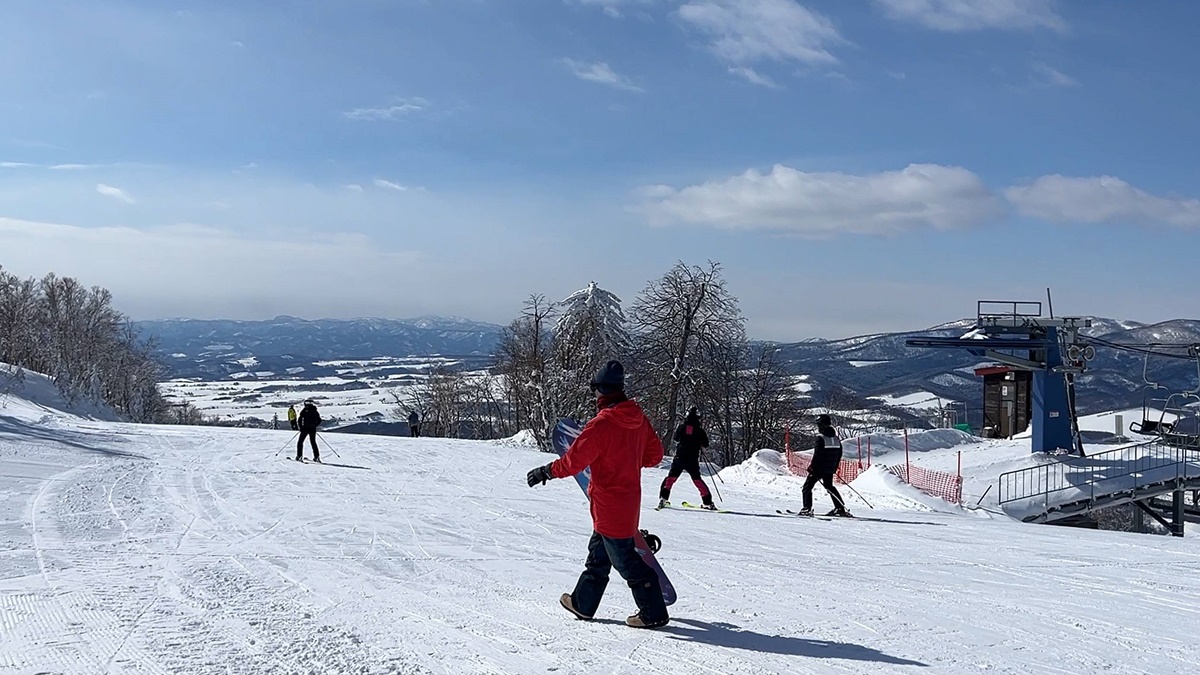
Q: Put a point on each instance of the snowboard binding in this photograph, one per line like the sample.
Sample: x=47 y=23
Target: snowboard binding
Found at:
x=651 y=540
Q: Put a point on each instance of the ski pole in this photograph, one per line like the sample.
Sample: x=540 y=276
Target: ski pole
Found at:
x=709 y=460
x=718 y=492
x=326 y=442
x=856 y=493
x=285 y=445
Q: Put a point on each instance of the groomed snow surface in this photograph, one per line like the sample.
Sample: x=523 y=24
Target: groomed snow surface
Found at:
x=141 y=549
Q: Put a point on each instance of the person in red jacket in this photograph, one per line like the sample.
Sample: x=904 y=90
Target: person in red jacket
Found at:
x=617 y=443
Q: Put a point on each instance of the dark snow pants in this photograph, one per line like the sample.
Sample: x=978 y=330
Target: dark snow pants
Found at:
x=825 y=479
x=679 y=465
x=311 y=434
x=605 y=553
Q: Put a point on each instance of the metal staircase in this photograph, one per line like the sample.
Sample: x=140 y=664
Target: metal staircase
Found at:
x=1069 y=486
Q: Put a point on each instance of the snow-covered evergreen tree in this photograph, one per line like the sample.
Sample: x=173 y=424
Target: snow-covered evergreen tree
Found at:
x=591 y=330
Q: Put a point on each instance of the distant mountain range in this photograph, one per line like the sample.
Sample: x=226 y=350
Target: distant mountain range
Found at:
x=868 y=365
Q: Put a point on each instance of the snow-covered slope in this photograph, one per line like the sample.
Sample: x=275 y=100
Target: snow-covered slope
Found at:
x=140 y=549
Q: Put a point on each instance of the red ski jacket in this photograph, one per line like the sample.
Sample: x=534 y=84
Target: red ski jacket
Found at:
x=616 y=444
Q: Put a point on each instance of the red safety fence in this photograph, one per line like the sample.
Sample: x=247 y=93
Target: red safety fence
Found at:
x=936 y=483
x=798 y=463
x=941 y=484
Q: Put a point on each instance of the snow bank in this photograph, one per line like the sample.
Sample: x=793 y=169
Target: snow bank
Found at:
x=523 y=439
x=29 y=396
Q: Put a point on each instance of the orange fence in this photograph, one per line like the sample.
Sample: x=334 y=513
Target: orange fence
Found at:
x=941 y=484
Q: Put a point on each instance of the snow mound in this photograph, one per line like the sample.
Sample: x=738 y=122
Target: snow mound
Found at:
x=918 y=441
x=523 y=439
x=763 y=469
x=29 y=396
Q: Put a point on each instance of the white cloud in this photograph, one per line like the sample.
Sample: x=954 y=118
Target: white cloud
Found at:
x=612 y=7
x=354 y=187
x=969 y=15
x=114 y=192
x=1046 y=76
x=389 y=185
x=16 y=165
x=798 y=202
x=753 y=76
x=398 y=110
x=744 y=32
x=1101 y=199
x=599 y=73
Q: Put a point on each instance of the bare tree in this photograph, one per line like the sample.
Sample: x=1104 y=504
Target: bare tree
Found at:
x=680 y=322
x=72 y=334
x=522 y=359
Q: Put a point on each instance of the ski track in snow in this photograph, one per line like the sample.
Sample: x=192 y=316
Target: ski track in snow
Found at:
x=140 y=549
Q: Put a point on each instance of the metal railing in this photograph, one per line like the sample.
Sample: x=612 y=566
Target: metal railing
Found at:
x=1132 y=471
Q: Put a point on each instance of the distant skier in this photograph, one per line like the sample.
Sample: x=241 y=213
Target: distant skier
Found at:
x=292 y=417
x=690 y=439
x=308 y=422
x=414 y=424
x=617 y=443
x=827 y=458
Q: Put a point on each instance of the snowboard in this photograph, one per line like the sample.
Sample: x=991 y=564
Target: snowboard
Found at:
x=564 y=434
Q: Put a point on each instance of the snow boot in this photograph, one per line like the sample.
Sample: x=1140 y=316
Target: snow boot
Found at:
x=839 y=513
x=804 y=512
x=637 y=621
x=317 y=460
x=662 y=504
x=708 y=506
x=569 y=605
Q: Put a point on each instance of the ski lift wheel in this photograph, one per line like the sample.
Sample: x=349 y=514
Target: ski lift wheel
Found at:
x=652 y=541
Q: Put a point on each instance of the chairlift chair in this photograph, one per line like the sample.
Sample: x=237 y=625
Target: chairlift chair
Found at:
x=1186 y=410
x=1148 y=425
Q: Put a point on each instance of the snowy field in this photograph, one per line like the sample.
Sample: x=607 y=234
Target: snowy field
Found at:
x=359 y=390
x=142 y=549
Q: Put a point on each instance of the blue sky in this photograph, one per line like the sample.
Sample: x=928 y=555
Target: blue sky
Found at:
x=854 y=166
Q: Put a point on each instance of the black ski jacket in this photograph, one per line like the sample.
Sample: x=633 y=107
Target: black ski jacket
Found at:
x=309 y=419
x=827 y=453
x=690 y=438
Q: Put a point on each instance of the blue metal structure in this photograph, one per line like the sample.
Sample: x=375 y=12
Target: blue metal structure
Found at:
x=1004 y=327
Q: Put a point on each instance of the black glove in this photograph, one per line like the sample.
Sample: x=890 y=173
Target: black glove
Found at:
x=539 y=475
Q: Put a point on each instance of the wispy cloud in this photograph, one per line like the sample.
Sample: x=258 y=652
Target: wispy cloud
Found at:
x=1047 y=76
x=114 y=192
x=600 y=73
x=753 y=76
x=16 y=165
x=745 y=32
x=399 y=109
x=970 y=15
x=389 y=185
x=1100 y=199
x=612 y=7
x=354 y=187
x=797 y=202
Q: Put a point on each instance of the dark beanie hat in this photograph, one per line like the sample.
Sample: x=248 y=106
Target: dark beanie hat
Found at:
x=610 y=378
x=824 y=421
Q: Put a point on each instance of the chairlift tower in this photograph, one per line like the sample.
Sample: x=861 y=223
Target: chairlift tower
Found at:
x=1017 y=335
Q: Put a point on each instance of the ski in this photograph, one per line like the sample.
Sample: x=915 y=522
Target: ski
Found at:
x=565 y=433
x=698 y=507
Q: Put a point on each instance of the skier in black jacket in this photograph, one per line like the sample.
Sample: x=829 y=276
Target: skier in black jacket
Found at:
x=690 y=439
x=827 y=458
x=308 y=422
